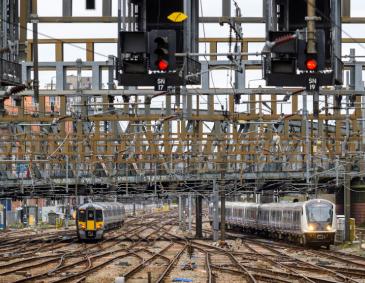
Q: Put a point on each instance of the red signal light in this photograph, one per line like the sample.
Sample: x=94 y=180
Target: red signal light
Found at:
x=162 y=65
x=311 y=64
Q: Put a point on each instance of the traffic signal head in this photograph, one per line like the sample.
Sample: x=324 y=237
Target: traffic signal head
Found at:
x=162 y=49
x=162 y=53
x=162 y=65
x=311 y=64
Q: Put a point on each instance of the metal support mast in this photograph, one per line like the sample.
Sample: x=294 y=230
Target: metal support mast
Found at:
x=199 y=216
x=215 y=211
x=35 y=21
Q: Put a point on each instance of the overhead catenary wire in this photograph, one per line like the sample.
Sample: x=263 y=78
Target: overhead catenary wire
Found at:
x=56 y=39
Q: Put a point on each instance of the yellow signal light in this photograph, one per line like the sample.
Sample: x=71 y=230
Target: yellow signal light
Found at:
x=177 y=17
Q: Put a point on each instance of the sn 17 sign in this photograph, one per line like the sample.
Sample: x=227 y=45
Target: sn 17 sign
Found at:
x=161 y=84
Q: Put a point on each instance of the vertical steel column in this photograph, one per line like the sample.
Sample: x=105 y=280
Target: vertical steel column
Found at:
x=345 y=7
x=182 y=212
x=271 y=16
x=360 y=86
x=130 y=16
x=190 y=212
x=177 y=98
x=184 y=200
x=187 y=99
x=67 y=8
x=199 y=216
x=223 y=213
x=107 y=8
x=23 y=28
x=347 y=177
x=124 y=13
x=337 y=37
x=306 y=133
x=347 y=199
x=67 y=196
x=34 y=19
x=311 y=27
x=226 y=8
x=215 y=211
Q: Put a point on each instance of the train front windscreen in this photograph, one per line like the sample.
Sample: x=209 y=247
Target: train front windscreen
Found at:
x=319 y=216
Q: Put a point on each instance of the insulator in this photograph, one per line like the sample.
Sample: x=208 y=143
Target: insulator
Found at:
x=16 y=89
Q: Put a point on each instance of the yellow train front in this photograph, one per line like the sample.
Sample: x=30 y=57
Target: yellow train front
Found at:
x=93 y=219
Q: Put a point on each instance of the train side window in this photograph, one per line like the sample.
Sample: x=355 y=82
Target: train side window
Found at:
x=99 y=215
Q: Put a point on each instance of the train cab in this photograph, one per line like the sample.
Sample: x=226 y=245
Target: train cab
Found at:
x=319 y=223
x=90 y=222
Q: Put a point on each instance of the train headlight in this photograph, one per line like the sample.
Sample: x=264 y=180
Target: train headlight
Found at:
x=99 y=226
x=329 y=228
x=82 y=226
x=310 y=227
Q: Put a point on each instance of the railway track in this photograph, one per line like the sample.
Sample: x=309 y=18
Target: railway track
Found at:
x=151 y=246
x=61 y=261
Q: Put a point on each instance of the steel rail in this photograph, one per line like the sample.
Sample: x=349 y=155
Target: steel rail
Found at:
x=248 y=274
x=333 y=273
x=273 y=262
x=77 y=253
x=260 y=273
x=257 y=274
x=208 y=267
x=50 y=260
x=61 y=268
x=338 y=256
x=92 y=269
x=171 y=265
x=89 y=270
x=140 y=266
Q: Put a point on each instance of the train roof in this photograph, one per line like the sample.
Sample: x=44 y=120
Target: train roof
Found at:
x=275 y=205
x=101 y=205
x=238 y=203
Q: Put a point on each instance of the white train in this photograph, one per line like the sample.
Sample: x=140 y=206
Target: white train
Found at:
x=311 y=223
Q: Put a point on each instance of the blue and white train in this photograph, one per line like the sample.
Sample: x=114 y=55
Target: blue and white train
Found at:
x=310 y=223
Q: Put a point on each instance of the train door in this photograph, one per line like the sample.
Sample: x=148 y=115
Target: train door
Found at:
x=2 y=212
x=90 y=219
x=99 y=218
